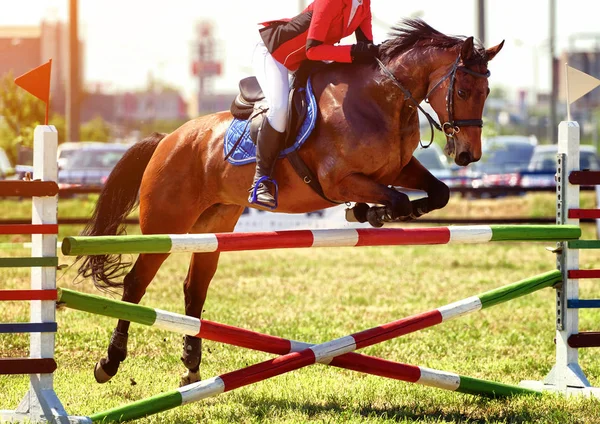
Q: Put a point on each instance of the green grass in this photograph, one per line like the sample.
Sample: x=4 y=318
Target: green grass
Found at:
x=315 y=295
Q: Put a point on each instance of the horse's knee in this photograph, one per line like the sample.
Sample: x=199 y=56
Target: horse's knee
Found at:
x=439 y=197
x=192 y=353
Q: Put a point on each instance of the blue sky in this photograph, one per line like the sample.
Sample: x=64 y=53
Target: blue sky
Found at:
x=126 y=40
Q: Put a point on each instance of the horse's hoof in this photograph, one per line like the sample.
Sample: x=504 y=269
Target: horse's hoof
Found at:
x=100 y=374
x=360 y=212
x=189 y=377
x=373 y=217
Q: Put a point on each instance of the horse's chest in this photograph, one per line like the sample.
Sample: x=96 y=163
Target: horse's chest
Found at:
x=396 y=156
x=380 y=161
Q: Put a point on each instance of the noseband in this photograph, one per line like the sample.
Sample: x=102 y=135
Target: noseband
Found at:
x=452 y=126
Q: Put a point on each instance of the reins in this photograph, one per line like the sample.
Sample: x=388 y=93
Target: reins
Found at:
x=408 y=96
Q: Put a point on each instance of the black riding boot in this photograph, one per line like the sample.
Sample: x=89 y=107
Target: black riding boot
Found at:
x=268 y=145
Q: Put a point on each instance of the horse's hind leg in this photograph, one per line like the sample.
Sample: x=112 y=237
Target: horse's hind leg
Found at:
x=139 y=277
x=218 y=218
x=135 y=283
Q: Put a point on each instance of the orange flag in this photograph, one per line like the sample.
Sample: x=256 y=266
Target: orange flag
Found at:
x=37 y=82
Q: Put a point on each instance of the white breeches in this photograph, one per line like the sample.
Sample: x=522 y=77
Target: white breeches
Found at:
x=274 y=80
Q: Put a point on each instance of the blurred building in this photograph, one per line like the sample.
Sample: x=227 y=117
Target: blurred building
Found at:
x=20 y=49
x=588 y=62
x=167 y=105
x=23 y=48
x=206 y=66
x=583 y=54
x=98 y=104
x=130 y=108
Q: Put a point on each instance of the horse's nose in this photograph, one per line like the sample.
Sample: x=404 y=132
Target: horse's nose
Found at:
x=464 y=158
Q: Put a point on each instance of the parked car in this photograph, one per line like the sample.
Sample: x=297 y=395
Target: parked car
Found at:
x=66 y=150
x=502 y=161
x=543 y=163
x=90 y=166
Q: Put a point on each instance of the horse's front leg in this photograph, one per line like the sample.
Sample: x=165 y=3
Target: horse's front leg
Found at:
x=201 y=271
x=361 y=189
x=412 y=176
x=416 y=176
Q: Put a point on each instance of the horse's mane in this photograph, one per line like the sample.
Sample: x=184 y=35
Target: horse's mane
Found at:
x=415 y=33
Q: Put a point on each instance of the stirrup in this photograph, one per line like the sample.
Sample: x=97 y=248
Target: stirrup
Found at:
x=254 y=198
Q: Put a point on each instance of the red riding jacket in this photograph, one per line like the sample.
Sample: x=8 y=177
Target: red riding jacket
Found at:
x=313 y=33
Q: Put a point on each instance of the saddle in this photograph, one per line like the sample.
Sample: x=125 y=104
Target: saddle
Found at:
x=250 y=104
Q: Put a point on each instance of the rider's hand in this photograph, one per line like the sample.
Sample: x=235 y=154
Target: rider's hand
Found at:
x=364 y=52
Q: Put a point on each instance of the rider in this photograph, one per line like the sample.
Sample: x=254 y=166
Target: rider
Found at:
x=285 y=44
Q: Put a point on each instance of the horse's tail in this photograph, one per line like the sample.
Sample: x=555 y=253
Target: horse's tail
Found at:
x=117 y=199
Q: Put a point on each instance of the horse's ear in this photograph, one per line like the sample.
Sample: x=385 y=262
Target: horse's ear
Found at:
x=467 y=50
x=493 y=51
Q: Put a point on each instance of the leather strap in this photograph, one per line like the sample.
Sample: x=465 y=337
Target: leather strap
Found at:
x=307 y=176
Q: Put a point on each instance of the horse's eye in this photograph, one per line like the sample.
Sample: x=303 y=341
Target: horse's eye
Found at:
x=462 y=94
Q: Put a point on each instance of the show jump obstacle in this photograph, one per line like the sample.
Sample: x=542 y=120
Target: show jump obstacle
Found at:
x=566 y=376
x=41 y=401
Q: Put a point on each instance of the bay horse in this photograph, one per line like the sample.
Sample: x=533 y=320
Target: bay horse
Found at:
x=361 y=147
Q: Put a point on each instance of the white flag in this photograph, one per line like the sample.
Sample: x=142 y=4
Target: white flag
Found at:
x=579 y=84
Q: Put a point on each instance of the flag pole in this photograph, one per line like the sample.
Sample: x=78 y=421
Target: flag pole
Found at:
x=48 y=102
x=568 y=100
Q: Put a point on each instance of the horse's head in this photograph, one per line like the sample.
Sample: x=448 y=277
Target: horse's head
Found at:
x=450 y=73
x=458 y=97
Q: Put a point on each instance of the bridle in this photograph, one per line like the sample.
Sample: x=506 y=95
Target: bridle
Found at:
x=452 y=126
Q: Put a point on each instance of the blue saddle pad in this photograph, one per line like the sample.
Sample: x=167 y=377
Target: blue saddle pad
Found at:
x=245 y=152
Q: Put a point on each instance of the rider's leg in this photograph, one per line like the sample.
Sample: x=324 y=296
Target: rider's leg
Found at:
x=273 y=79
